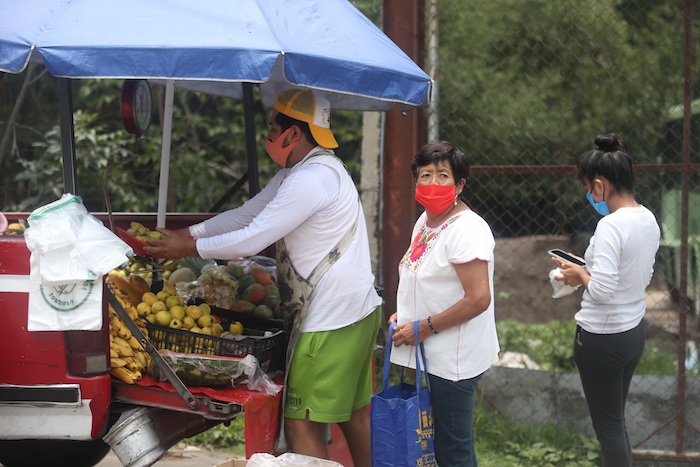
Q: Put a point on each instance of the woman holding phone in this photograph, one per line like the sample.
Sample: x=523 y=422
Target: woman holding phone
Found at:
x=610 y=332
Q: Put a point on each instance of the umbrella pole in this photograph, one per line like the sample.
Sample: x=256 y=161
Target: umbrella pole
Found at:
x=165 y=153
x=65 y=113
x=251 y=149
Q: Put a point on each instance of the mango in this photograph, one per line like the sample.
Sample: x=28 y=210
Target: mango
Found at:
x=271 y=301
x=245 y=281
x=262 y=311
x=234 y=271
x=272 y=290
x=254 y=293
x=261 y=276
x=243 y=306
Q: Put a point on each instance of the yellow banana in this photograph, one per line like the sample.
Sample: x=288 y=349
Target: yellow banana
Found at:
x=113 y=353
x=126 y=375
x=131 y=311
x=117 y=362
x=133 y=364
x=122 y=347
x=124 y=333
x=141 y=357
x=134 y=343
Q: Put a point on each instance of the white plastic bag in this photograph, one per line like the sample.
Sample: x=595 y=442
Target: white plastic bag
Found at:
x=70 y=244
x=71 y=251
x=560 y=288
x=63 y=307
x=289 y=459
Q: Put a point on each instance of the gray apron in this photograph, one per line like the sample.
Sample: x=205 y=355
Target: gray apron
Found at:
x=295 y=292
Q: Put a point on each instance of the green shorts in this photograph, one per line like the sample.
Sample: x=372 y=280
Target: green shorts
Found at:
x=331 y=372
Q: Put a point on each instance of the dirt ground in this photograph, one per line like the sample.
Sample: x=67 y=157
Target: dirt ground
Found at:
x=523 y=291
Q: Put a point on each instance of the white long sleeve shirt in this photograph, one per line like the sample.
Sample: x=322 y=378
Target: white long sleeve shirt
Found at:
x=620 y=259
x=312 y=205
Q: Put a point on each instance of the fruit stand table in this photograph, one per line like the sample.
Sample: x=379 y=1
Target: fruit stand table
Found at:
x=260 y=426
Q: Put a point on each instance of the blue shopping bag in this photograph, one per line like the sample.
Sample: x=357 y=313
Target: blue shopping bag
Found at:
x=401 y=418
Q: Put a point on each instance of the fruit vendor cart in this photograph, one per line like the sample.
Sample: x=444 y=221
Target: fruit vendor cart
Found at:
x=222 y=47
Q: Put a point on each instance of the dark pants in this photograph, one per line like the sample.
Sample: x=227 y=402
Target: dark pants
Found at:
x=606 y=363
x=453 y=406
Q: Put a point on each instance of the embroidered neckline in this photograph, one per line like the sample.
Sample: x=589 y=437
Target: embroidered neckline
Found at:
x=423 y=242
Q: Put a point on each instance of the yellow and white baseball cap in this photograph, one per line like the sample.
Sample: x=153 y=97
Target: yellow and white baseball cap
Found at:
x=306 y=106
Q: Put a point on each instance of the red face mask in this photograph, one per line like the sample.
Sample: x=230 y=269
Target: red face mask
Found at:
x=278 y=153
x=436 y=198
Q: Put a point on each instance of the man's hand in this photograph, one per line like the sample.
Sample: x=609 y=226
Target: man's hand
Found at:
x=176 y=244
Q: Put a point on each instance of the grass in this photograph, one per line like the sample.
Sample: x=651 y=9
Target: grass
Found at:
x=501 y=442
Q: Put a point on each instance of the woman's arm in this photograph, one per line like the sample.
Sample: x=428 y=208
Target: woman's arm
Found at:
x=474 y=277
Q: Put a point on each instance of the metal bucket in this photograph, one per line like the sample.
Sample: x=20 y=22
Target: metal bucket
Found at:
x=134 y=439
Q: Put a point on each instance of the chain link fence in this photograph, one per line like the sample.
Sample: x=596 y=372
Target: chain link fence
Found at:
x=524 y=86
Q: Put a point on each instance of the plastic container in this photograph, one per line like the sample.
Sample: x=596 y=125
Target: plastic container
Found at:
x=268 y=345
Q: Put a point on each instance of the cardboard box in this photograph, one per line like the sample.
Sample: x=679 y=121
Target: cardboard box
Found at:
x=233 y=463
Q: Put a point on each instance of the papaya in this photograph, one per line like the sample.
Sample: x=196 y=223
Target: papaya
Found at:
x=139 y=284
x=122 y=287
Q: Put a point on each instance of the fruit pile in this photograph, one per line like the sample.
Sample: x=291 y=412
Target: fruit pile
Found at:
x=217 y=287
x=128 y=358
x=255 y=292
x=141 y=232
x=167 y=308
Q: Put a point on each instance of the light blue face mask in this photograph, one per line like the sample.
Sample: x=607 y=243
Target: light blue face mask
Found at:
x=601 y=207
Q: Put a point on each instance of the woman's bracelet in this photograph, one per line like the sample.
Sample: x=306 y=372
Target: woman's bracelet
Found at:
x=431 y=326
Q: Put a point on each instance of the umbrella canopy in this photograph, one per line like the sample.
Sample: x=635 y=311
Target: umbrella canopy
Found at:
x=215 y=45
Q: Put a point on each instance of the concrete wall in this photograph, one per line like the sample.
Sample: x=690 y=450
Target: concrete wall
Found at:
x=538 y=397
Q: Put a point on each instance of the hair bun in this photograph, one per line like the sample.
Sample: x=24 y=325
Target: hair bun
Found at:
x=608 y=143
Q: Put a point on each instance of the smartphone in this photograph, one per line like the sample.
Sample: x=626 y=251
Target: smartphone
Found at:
x=563 y=255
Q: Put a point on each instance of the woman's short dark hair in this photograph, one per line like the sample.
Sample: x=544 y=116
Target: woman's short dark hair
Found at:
x=285 y=122
x=610 y=161
x=438 y=151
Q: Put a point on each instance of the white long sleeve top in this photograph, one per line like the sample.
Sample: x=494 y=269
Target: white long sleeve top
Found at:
x=620 y=259
x=311 y=205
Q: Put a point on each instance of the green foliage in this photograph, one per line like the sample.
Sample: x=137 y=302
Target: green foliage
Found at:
x=504 y=443
x=658 y=359
x=221 y=437
x=207 y=157
x=534 y=81
x=549 y=345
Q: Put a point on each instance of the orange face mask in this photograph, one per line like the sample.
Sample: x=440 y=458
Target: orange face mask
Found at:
x=278 y=153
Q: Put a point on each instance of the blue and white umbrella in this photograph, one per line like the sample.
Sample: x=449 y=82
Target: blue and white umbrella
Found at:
x=214 y=45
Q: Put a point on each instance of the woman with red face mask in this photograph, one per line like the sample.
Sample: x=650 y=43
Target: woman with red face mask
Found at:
x=446 y=284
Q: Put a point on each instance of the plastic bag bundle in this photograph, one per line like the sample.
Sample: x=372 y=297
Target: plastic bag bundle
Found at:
x=71 y=245
x=560 y=288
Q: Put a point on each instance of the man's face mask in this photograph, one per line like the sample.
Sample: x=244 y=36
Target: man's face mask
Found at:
x=278 y=153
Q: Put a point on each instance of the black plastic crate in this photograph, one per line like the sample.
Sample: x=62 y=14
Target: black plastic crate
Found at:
x=267 y=345
x=279 y=346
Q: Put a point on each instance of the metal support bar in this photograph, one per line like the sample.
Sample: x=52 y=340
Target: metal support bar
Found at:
x=65 y=114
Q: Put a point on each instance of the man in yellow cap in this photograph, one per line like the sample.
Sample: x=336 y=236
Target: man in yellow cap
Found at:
x=311 y=210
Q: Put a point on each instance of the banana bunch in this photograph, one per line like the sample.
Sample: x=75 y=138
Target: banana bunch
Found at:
x=128 y=358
